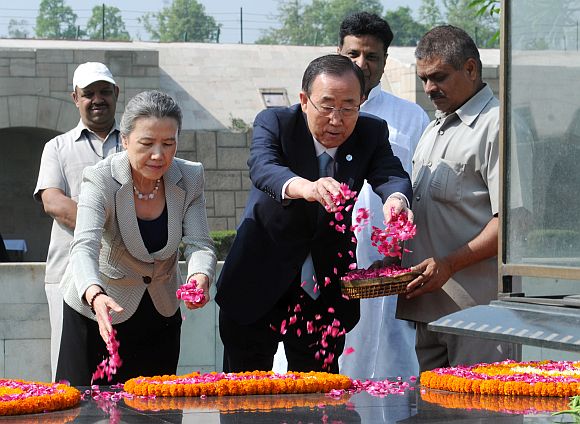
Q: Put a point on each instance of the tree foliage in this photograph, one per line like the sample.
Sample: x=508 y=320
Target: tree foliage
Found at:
x=17 y=29
x=481 y=27
x=113 y=23
x=316 y=23
x=429 y=14
x=486 y=6
x=183 y=20
x=293 y=27
x=479 y=18
x=55 y=20
x=407 y=31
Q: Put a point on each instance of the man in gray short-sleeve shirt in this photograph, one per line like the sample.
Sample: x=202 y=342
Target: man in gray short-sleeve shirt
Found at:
x=455 y=188
x=64 y=157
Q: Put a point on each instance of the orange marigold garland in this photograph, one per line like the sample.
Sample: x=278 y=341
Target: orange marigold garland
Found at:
x=536 y=378
x=25 y=397
x=228 y=404
x=504 y=404
x=236 y=384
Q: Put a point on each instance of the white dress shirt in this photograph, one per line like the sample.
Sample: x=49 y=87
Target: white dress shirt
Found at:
x=383 y=346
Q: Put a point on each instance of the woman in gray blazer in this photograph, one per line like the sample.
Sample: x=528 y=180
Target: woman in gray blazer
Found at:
x=134 y=210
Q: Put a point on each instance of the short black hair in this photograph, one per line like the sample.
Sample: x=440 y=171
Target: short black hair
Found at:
x=365 y=23
x=451 y=44
x=331 y=64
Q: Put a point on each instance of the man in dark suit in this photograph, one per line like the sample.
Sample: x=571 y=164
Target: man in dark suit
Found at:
x=263 y=293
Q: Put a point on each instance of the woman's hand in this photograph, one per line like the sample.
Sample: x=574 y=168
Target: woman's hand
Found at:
x=102 y=304
x=202 y=281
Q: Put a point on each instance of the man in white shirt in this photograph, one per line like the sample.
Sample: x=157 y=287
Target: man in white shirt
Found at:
x=64 y=157
x=383 y=346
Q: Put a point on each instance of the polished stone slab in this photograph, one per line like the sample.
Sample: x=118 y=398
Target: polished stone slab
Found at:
x=414 y=406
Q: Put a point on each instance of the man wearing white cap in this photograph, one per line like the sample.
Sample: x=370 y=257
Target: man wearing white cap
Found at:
x=64 y=157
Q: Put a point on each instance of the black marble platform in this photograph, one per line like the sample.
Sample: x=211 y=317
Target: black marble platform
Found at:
x=414 y=406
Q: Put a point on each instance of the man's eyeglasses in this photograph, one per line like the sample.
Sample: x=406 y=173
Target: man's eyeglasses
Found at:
x=329 y=110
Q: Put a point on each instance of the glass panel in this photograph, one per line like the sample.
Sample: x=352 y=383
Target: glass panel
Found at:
x=543 y=117
x=546 y=287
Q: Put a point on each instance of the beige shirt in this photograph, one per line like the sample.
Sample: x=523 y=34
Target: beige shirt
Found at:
x=455 y=184
x=61 y=166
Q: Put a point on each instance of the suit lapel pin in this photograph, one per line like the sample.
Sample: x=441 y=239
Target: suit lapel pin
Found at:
x=348 y=158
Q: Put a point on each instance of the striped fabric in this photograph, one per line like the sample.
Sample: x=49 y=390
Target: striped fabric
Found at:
x=108 y=249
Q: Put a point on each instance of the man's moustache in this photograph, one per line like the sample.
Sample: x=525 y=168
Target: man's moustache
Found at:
x=435 y=96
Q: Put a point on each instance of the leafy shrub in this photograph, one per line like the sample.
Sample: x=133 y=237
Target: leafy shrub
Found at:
x=223 y=242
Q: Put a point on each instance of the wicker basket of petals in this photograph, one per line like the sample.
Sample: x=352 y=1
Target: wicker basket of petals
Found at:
x=365 y=284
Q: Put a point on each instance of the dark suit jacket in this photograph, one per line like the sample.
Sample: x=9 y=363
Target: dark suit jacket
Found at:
x=275 y=236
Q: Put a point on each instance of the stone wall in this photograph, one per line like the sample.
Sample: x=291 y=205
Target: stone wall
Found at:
x=35 y=84
x=35 y=105
x=224 y=156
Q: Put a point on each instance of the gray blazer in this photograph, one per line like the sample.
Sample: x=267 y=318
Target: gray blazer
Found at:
x=108 y=250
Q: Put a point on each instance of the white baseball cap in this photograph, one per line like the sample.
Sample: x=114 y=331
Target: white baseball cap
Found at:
x=89 y=72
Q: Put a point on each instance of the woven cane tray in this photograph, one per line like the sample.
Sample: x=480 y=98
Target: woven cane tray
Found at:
x=377 y=287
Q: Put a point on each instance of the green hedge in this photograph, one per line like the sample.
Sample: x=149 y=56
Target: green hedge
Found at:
x=223 y=242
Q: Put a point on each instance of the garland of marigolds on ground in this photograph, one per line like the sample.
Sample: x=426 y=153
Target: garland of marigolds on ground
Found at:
x=25 y=397
x=227 y=404
x=497 y=403
x=236 y=384
x=536 y=378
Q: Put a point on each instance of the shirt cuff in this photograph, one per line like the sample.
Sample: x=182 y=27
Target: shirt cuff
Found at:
x=284 y=195
x=399 y=195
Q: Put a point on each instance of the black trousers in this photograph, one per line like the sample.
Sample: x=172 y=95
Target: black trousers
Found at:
x=149 y=345
x=253 y=346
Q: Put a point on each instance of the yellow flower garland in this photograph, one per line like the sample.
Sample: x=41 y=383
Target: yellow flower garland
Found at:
x=236 y=384
x=496 y=403
x=25 y=397
x=541 y=378
x=229 y=404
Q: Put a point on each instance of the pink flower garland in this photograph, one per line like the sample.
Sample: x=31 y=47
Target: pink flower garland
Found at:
x=18 y=397
x=220 y=376
x=26 y=390
x=107 y=400
x=555 y=371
